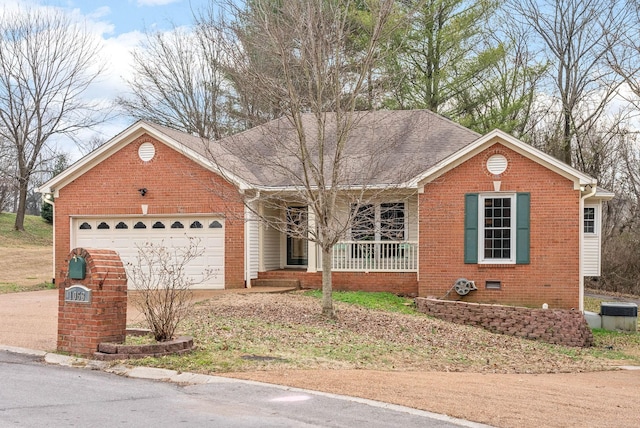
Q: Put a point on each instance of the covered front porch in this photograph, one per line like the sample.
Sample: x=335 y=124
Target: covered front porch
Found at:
x=381 y=254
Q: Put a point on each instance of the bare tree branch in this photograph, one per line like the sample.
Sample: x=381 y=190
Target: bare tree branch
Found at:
x=47 y=62
x=300 y=60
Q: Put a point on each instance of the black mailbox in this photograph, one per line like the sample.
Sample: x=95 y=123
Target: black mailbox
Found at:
x=77 y=268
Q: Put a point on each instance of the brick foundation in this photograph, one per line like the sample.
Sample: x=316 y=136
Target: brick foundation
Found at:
x=557 y=326
x=401 y=283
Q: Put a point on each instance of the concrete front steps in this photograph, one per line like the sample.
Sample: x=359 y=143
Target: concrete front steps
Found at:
x=286 y=284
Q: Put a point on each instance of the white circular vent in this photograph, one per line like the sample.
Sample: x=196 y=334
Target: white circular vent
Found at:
x=497 y=164
x=146 y=151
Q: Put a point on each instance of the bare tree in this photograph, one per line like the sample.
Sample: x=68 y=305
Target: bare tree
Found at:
x=624 y=50
x=574 y=34
x=7 y=174
x=314 y=76
x=621 y=228
x=47 y=62
x=503 y=95
x=163 y=290
x=179 y=82
x=89 y=145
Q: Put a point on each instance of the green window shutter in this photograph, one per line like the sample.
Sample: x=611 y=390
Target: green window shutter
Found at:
x=522 y=227
x=471 y=228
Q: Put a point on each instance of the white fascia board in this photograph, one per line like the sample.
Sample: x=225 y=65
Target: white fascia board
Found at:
x=116 y=143
x=601 y=195
x=497 y=136
x=274 y=189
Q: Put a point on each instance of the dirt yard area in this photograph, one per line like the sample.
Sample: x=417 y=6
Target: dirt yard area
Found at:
x=570 y=396
x=598 y=399
x=26 y=266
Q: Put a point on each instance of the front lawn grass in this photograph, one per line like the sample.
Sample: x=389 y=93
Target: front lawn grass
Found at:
x=379 y=301
x=6 y=287
x=279 y=332
x=37 y=231
x=614 y=344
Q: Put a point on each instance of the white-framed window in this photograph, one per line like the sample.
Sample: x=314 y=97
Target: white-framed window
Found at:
x=589 y=220
x=384 y=221
x=497 y=228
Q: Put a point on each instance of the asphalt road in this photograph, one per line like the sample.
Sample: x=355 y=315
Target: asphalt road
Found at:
x=34 y=394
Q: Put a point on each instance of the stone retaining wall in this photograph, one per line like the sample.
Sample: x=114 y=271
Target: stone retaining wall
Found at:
x=557 y=326
x=117 y=351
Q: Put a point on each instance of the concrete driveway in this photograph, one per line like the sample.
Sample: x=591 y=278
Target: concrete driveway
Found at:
x=29 y=320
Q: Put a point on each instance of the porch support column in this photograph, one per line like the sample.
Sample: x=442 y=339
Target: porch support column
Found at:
x=247 y=247
x=311 y=246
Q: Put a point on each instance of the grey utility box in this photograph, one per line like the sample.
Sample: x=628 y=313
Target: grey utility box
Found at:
x=593 y=320
x=619 y=316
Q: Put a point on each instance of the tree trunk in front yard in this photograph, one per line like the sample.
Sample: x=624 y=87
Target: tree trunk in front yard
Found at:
x=22 y=204
x=327 y=287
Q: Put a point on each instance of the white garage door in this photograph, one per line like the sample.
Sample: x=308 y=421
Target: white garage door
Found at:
x=126 y=234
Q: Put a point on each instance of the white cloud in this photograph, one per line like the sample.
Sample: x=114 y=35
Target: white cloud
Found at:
x=116 y=57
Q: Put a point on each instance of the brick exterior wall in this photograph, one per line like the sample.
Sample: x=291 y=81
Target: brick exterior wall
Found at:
x=83 y=326
x=402 y=283
x=178 y=185
x=551 y=277
x=175 y=185
x=558 y=326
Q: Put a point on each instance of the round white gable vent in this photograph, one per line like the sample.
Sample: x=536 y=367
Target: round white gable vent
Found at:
x=146 y=151
x=497 y=164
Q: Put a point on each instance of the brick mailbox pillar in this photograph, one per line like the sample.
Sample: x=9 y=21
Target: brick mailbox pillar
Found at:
x=92 y=301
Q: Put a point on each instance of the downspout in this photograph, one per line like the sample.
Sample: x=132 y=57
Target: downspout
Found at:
x=48 y=199
x=581 y=258
x=247 y=241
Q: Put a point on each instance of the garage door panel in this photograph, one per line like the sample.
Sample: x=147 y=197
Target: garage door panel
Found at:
x=125 y=235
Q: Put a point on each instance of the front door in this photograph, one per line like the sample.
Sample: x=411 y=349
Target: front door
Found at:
x=296 y=229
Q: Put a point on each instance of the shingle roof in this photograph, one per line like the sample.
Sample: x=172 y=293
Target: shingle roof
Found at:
x=383 y=147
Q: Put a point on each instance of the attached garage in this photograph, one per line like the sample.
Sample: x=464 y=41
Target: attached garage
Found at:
x=125 y=234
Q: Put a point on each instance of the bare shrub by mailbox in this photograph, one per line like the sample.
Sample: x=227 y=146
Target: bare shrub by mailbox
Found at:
x=162 y=290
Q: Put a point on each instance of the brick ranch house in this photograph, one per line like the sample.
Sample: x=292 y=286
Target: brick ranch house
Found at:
x=522 y=225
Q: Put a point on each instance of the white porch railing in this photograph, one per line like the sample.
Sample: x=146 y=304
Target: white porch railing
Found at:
x=380 y=256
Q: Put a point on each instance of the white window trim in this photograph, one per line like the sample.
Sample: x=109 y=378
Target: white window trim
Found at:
x=596 y=221
x=377 y=206
x=481 y=258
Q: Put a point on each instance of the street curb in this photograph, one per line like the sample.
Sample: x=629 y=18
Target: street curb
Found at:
x=186 y=378
x=23 y=351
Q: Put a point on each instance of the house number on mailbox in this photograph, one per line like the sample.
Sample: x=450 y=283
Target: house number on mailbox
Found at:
x=77 y=294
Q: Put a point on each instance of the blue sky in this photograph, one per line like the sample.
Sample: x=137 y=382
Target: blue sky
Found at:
x=126 y=16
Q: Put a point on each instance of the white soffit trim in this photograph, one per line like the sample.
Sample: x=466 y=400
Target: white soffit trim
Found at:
x=498 y=136
x=601 y=195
